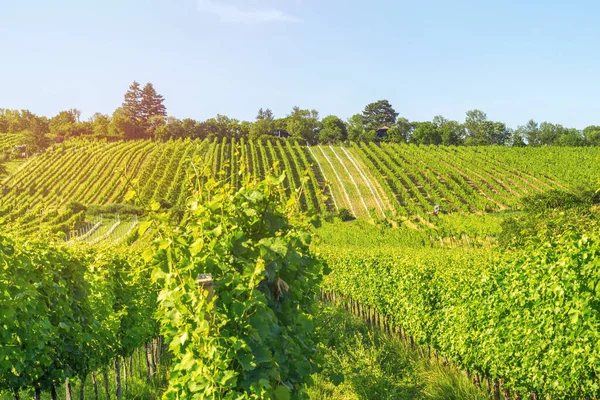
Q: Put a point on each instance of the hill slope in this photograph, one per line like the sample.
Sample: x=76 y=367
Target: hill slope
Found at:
x=370 y=180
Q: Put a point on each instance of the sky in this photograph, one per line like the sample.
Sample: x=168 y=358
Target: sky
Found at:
x=515 y=60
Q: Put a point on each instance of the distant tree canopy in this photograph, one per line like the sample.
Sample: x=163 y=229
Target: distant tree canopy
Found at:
x=143 y=115
x=145 y=111
x=379 y=114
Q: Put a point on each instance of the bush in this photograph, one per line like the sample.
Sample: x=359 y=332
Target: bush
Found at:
x=345 y=215
x=75 y=207
x=114 y=209
x=552 y=199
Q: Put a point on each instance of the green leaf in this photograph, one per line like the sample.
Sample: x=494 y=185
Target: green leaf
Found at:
x=129 y=195
x=144 y=227
x=282 y=393
x=246 y=360
x=197 y=246
x=336 y=378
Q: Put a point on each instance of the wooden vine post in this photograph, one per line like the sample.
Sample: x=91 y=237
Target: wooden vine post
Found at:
x=205 y=282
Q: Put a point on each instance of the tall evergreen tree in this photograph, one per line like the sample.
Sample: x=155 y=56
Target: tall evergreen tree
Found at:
x=144 y=109
x=133 y=102
x=151 y=104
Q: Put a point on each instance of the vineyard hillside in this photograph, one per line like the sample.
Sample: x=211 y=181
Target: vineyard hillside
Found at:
x=369 y=180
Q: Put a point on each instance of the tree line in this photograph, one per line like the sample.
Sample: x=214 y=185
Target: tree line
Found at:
x=143 y=115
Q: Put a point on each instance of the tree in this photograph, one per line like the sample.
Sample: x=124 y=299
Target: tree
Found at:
x=377 y=114
x=516 y=138
x=35 y=135
x=570 y=137
x=426 y=133
x=264 y=124
x=549 y=133
x=121 y=125
x=133 y=101
x=334 y=130
x=402 y=131
x=356 y=128
x=530 y=133
x=591 y=135
x=131 y=109
x=14 y=121
x=3 y=121
x=303 y=124
x=495 y=133
x=475 y=134
x=171 y=129
x=100 y=125
x=192 y=129
x=145 y=110
x=152 y=109
x=66 y=124
x=451 y=132
x=394 y=135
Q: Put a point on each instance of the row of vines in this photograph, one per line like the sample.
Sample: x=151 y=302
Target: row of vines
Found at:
x=369 y=180
x=529 y=318
x=68 y=314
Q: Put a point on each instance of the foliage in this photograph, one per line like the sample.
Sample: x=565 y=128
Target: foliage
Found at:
x=527 y=316
x=114 y=209
x=305 y=125
x=264 y=124
x=255 y=338
x=377 y=114
x=344 y=214
x=65 y=313
x=426 y=133
x=552 y=199
x=144 y=111
x=334 y=130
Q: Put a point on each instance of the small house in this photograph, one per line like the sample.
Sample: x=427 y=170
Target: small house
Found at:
x=382 y=132
x=281 y=133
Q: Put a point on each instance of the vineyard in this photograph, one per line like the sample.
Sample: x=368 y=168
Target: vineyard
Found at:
x=8 y=141
x=123 y=262
x=369 y=180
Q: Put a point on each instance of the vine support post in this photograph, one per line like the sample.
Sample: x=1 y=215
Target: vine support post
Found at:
x=125 y=374
x=118 y=390
x=131 y=366
x=82 y=388
x=106 y=390
x=95 y=382
x=205 y=282
x=68 y=390
x=496 y=389
x=148 y=363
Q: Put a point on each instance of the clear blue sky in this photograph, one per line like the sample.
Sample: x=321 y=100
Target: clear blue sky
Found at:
x=515 y=60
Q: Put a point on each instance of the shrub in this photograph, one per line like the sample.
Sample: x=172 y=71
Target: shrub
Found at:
x=345 y=215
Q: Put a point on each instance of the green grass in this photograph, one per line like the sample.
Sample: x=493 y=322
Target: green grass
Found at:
x=376 y=366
